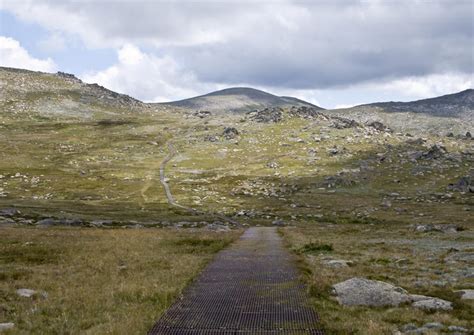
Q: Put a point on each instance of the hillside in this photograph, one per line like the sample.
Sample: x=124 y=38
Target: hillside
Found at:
x=35 y=95
x=452 y=113
x=447 y=105
x=238 y=99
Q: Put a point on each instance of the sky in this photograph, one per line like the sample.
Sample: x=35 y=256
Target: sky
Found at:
x=335 y=53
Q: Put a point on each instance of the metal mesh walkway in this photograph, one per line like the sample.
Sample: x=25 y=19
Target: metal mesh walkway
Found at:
x=250 y=288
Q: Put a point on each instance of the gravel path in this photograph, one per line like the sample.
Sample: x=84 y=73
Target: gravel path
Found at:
x=251 y=287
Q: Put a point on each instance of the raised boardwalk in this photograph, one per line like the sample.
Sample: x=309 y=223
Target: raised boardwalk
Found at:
x=250 y=288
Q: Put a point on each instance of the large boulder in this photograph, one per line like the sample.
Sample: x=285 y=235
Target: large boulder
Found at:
x=365 y=292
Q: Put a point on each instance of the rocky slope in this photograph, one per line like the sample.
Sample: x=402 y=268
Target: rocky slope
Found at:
x=29 y=94
x=452 y=113
x=238 y=99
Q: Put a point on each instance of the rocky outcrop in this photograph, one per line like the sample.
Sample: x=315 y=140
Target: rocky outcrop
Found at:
x=267 y=115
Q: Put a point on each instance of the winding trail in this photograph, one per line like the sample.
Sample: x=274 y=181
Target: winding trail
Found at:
x=252 y=287
x=169 y=195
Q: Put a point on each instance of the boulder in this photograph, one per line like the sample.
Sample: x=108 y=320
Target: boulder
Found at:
x=378 y=126
x=6 y=326
x=9 y=212
x=365 y=292
x=46 y=222
x=467 y=294
x=436 y=151
x=230 y=133
x=431 y=303
x=464 y=184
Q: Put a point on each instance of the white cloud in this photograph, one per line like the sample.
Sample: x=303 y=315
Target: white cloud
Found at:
x=430 y=85
x=146 y=76
x=12 y=54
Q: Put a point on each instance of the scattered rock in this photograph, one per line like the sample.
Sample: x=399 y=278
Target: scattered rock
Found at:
x=365 y=292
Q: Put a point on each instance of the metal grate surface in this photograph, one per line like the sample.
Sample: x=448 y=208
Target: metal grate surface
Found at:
x=250 y=288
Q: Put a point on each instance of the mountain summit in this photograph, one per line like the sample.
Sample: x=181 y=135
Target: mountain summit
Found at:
x=238 y=99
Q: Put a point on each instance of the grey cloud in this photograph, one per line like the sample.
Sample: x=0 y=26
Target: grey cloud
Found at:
x=300 y=45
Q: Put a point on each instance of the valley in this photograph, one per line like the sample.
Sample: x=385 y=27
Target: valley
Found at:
x=387 y=188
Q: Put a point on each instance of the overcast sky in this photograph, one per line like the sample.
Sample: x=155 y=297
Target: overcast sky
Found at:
x=332 y=53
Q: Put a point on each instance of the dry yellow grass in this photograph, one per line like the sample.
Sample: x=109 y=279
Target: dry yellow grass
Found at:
x=97 y=281
x=387 y=252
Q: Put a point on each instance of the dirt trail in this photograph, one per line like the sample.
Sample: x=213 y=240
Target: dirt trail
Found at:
x=250 y=288
x=169 y=195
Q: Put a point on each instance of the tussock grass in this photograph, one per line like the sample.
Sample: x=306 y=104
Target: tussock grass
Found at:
x=376 y=251
x=98 y=281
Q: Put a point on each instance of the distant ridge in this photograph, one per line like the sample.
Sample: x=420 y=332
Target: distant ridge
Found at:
x=238 y=99
x=445 y=105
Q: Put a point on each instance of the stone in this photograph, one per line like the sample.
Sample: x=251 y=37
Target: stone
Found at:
x=25 y=292
x=6 y=326
x=46 y=222
x=433 y=325
x=279 y=223
x=378 y=126
x=431 y=303
x=365 y=292
x=458 y=329
x=273 y=165
x=338 y=263
x=445 y=228
x=434 y=152
x=467 y=294
x=6 y=221
x=230 y=133
x=464 y=184
x=9 y=212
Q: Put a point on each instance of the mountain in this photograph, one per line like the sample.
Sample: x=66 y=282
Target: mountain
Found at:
x=451 y=113
x=238 y=99
x=445 y=105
